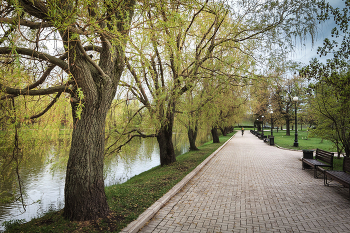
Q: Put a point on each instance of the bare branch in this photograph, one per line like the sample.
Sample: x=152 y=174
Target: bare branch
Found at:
x=190 y=25
x=48 y=107
x=35 y=54
x=140 y=135
x=50 y=90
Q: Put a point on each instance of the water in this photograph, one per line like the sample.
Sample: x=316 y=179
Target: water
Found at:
x=43 y=178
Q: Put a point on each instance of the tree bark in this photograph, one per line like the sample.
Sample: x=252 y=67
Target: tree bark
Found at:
x=287 y=126
x=166 y=147
x=259 y=126
x=223 y=131
x=165 y=136
x=85 y=198
x=214 y=133
x=192 y=136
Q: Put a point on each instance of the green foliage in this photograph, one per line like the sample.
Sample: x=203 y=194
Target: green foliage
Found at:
x=80 y=105
x=12 y=224
x=331 y=109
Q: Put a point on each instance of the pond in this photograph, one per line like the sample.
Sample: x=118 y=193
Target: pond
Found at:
x=43 y=176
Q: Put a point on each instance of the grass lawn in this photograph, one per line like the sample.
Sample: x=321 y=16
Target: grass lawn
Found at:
x=128 y=200
x=305 y=142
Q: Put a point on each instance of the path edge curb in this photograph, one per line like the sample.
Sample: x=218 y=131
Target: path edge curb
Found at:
x=137 y=224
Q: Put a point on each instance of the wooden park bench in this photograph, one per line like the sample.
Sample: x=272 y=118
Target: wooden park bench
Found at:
x=322 y=159
x=342 y=177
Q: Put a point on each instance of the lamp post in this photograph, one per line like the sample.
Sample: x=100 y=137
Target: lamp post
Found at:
x=271 y=123
x=272 y=139
x=262 y=127
x=296 y=144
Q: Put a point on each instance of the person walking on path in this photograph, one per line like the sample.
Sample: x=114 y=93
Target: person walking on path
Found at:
x=242 y=131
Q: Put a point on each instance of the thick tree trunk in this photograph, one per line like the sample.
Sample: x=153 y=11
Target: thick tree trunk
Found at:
x=287 y=126
x=192 y=136
x=347 y=148
x=164 y=138
x=166 y=147
x=214 y=133
x=85 y=198
x=223 y=131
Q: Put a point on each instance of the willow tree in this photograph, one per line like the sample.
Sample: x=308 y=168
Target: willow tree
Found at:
x=89 y=78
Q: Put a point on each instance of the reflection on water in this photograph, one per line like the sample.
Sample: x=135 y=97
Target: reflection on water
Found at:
x=43 y=178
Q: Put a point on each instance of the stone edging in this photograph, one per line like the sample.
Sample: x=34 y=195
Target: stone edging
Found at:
x=137 y=224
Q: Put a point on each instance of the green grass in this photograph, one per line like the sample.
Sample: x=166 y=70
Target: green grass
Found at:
x=128 y=200
x=305 y=142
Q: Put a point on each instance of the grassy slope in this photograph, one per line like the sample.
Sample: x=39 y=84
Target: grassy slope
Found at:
x=128 y=200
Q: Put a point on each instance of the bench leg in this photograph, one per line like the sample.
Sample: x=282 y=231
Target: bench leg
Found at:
x=315 y=172
x=304 y=165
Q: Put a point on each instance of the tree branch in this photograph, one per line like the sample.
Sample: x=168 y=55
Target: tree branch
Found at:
x=35 y=54
x=35 y=8
x=140 y=134
x=48 y=107
x=27 y=23
x=190 y=25
x=87 y=57
x=50 y=90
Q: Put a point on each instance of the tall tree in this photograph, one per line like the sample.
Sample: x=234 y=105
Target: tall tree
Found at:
x=91 y=80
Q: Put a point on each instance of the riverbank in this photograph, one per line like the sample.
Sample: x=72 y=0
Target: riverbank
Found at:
x=127 y=200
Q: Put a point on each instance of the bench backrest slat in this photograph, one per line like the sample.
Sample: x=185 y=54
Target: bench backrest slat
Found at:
x=325 y=156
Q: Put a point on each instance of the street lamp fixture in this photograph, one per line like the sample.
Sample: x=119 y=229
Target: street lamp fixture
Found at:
x=296 y=144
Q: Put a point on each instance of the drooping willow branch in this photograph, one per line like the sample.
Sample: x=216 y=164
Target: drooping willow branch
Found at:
x=16 y=153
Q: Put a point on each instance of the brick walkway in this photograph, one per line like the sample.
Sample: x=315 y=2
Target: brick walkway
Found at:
x=250 y=186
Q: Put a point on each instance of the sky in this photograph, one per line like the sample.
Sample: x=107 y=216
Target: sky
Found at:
x=304 y=53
